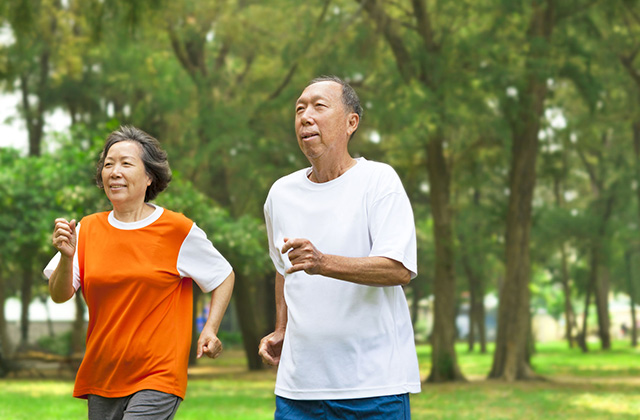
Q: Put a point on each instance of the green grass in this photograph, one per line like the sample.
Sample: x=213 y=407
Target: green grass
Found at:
x=597 y=385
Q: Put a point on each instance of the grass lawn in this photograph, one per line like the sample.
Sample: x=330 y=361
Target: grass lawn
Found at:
x=597 y=385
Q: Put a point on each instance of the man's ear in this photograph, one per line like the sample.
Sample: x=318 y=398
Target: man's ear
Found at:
x=352 y=123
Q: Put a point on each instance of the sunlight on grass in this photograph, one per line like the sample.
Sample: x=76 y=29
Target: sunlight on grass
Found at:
x=35 y=389
x=581 y=386
x=615 y=404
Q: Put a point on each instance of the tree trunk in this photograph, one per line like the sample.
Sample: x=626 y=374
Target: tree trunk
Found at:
x=471 y=338
x=632 y=293
x=636 y=147
x=593 y=275
x=4 y=337
x=509 y=361
x=481 y=319
x=34 y=115
x=415 y=302
x=476 y=296
x=444 y=363
x=79 y=332
x=195 y=335
x=602 y=306
x=476 y=287
x=251 y=323
x=569 y=314
x=25 y=298
x=510 y=357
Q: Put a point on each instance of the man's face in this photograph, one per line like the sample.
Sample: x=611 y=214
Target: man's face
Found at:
x=322 y=124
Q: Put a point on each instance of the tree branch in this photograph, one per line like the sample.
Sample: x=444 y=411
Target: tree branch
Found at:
x=570 y=12
x=627 y=63
x=284 y=82
x=179 y=51
x=388 y=28
x=590 y=169
x=424 y=25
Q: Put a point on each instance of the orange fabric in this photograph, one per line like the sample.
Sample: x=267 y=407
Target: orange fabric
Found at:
x=140 y=310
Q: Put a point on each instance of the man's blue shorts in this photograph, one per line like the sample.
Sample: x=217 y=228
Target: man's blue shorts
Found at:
x=391 y=407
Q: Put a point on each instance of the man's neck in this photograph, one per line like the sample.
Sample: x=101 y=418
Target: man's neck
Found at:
x=324 y=172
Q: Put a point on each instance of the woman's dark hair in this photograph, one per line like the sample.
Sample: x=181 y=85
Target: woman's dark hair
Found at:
x=154 y=158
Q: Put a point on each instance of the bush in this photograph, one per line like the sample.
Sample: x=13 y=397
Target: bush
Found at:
x=59 y=344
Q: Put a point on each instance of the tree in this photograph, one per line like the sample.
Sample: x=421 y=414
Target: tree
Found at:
x=423 y=55
x=523 y=103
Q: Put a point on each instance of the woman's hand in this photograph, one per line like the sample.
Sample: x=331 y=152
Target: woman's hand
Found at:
x=65 y=238
x=209 y=344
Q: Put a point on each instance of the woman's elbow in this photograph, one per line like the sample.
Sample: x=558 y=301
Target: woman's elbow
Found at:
x=58 y=298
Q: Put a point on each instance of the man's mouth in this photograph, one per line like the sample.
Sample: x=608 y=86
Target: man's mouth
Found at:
x=307 y=136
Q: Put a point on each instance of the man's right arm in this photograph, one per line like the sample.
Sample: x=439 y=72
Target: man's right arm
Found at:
x=271 y=345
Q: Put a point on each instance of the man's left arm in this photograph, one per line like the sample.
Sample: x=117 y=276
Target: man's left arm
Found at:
x=370 y=271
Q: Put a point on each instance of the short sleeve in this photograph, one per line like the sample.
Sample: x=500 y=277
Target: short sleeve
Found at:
x=53 y=264
x=392 y=227
x=201 y=261
x=274 y=252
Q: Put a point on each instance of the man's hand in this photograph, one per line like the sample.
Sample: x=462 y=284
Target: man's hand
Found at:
x=209 y=344
x=271 y=348
x=303 y=256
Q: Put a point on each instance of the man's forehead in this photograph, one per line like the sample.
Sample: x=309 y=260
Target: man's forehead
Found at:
x=323 y=89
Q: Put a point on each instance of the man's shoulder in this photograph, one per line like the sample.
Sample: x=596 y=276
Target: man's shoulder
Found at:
x=290 y=179
x=374 y=170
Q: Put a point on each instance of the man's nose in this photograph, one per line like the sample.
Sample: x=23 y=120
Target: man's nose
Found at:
x=306 y=118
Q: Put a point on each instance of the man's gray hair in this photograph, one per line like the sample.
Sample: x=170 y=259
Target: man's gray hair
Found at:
x=350 y=98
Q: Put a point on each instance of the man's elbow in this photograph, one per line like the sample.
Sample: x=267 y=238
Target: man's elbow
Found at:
x=404 y=277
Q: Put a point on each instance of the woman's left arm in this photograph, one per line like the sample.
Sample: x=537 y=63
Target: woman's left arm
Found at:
x=208 y=343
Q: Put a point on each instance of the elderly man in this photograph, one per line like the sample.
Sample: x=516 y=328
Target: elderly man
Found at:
x=342 y=238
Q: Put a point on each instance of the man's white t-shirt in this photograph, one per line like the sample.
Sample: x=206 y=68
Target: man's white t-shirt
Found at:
x=344 y=340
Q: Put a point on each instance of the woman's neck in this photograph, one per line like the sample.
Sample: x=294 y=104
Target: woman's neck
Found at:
x=132 y=214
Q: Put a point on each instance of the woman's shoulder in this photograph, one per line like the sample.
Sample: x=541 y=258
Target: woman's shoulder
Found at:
x=103 y=215
x=177 y=218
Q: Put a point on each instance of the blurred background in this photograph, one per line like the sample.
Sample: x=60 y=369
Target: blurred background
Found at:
x=514 y=126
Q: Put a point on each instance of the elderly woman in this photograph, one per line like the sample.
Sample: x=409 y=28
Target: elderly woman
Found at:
x=135 y=265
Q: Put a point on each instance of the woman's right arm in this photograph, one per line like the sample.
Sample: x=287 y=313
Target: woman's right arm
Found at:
x=61 y=281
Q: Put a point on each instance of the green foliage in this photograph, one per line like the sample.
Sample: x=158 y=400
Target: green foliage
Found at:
x=215 y=82
x=59 y=344
x=242 y=241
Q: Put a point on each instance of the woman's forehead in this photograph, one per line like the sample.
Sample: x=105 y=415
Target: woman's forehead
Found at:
x=125 y=148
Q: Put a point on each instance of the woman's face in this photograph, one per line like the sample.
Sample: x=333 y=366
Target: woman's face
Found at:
x=123 y=174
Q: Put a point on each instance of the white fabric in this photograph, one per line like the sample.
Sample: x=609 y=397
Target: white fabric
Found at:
x=344 y=340
x=197 y=259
